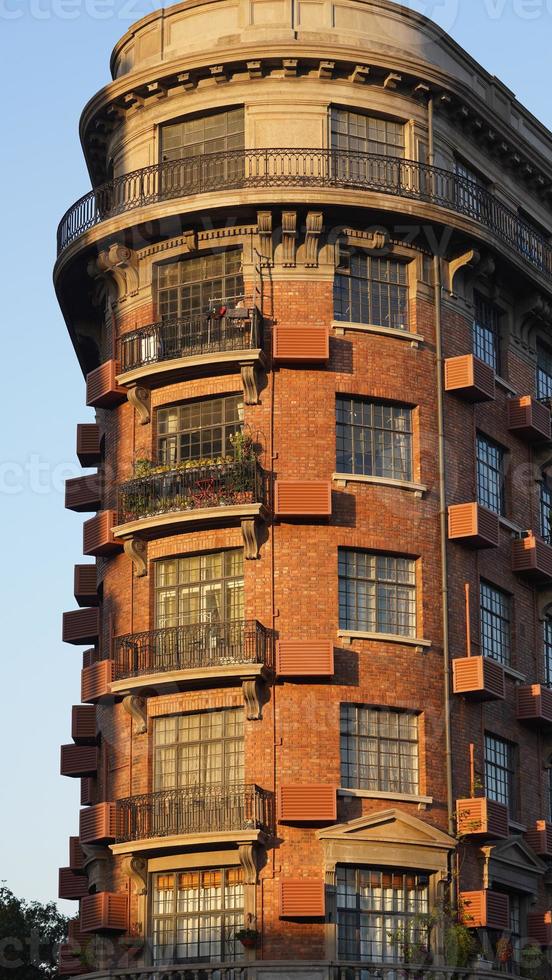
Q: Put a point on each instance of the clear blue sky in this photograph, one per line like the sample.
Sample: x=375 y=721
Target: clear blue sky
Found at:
x=54 y=55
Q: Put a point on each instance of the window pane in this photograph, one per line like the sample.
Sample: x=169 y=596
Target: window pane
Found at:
x=490 y=474
x=486 y=331
x=495 y=623
x=201 y=749
x=377 y=593
x=372 y=290
x=185 y=288
x=373 y=438
x=196 y=914
x=544 y=372
x=200 y=430
x=500 y=771
x=379 y=749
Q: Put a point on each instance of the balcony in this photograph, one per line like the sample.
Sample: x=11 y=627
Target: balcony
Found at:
x=534 y=706
x=304 y=658
x=97 y=535
x=540 y=838
x=478 y=679
x=168 y=499
x=473 y=525
x=104 y=911
x=242 y=812
x=79 y=760
x=532 y=558
x=102 y=387
x=224 y=335
x=96 y=681
x=72 y=884
x=469 y=378
x=529 y=419
x=206 y=652
x=85 y=587
x=482 y=818
x=83 y=493
x=84 y=730
x=300 y=345
x=485 y=910
x=308 y=168
x=285 y=969
x=89 y=444
x=98 y=824
x=81 y=626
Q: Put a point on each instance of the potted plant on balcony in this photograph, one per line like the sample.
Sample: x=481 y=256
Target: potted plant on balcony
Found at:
x=532 y=961
x=504 y=950
x=248 y=937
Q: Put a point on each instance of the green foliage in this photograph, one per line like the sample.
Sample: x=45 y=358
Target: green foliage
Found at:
x=29 y=936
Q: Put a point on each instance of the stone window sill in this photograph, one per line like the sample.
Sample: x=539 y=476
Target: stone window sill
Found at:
x=373 y=794
x=383 y=481
x=412 y=641
x=413 y=338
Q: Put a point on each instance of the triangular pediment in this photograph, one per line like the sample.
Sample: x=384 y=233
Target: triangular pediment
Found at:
x=387 y=826
x=515 y=851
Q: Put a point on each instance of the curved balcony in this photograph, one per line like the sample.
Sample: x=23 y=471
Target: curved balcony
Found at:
x=307 y=168
x=231 y=336
x=284 y=970
x=186 y=655
x=235 y=813
x=168 y=500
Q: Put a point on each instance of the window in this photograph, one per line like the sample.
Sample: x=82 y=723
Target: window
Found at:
x=205 y=588
x=196 y=914
x=198 y=750
x=549 y=788
x=490 y=474
x=546 y=512
x=379 y=911
x=470 y=189
x=515 y=927
x=198 y=430
x=186 y=288
x=547 y=637
x=373 y=438
x=544 y=372
x=196 y=136
x=371 y=290
x=486 y=332
x=495 y=617
x=355 y=132
x=379 y=749
x=377 y=593
x=500 y=771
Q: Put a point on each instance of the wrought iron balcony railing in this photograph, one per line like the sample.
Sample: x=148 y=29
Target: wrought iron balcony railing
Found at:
x=192 y=488
x=322 y=970
x=237 y=329
x=283 y=167
x=188 y=647
x=200 y=810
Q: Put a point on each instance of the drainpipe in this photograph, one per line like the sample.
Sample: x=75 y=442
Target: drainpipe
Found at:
x=430 y=139
x=443 y=538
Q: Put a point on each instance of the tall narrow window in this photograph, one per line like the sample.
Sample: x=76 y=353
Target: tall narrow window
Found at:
x=373 y=438
x=198 y=135
x=496 y=627
x=199 y=430
x=199 y=750
x=490 y=474
x=470 y=189
x=547 y=639
x=544 y=372
x=377 y=593
x=500 y=772
x=196 y=915
x=358 y=133
x=380 y=912
x=187 y=287
x=204 y=588
x=379 y=749
x=371 y=290
x=486 y=332
x=546 y=512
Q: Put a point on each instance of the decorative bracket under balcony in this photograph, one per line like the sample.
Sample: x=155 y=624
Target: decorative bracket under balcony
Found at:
x=137 y=551
x=137 y=709
x=140 y=399
x=251 y=518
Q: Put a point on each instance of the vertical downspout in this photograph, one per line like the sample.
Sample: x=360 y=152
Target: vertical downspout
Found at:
x=443 y=537
x=430 y=140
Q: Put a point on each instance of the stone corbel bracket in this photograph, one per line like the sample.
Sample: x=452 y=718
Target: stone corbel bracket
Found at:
x=137 y=709
x=252 y=859
x=255 y=695
x=468 y=260
x=120 y=264
x=96 y=861
x=137 y=551
x=251 y=528
x=289 y=238
x=137 y=870
x=312 y=238
x=251 y=383
x=264 y=229
x=140 y=399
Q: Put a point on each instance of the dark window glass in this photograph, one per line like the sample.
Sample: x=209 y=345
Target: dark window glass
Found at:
x=547 y=631
x=374 y=438
x=198 y=430
x=358 y=133
x=196 y=915
x=195 y=136
x=198 y=750
x=490 y=474
x=377 y=593
x=371 y=290
x=546 y=512
x=187 y=287
x=495 y=615
x=544 y=372
x=470 y=189
x=379 y=912
x=379 y=749
x=500 y=771
x=486 y=332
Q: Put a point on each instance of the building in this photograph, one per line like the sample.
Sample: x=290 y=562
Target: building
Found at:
x=311 y=292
